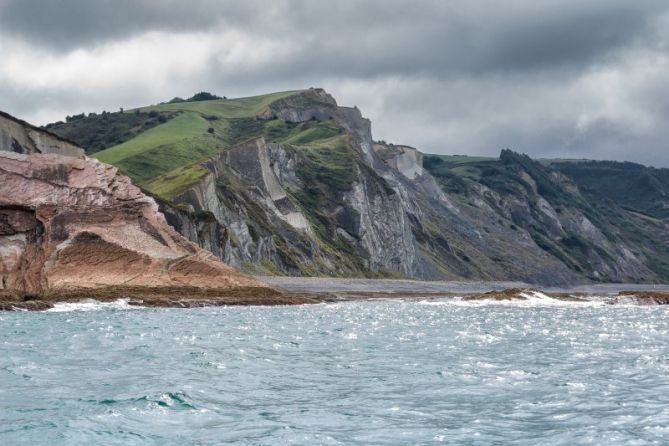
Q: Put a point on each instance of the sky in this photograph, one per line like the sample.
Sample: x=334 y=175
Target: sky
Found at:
x=567 y=78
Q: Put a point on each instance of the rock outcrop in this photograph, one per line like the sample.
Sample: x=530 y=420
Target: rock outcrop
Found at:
x=231 y=210
x=20 y=137
x=73 y=227
x=641 y=298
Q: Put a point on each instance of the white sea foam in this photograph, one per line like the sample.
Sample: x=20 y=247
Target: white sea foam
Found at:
x=531 y=299
x=92 y=305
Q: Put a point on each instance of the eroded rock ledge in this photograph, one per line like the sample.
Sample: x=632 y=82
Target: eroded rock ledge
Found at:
x=73 y=228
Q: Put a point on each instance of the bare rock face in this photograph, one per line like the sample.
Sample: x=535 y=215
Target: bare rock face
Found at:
x=69 y=224
x=20 y=137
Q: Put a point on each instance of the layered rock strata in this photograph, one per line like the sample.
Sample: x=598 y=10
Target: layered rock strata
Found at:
x=73 y=227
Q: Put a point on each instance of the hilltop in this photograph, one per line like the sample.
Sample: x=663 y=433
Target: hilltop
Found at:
x=292 y=183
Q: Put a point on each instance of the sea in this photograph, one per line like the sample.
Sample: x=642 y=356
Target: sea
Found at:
x=362 y=372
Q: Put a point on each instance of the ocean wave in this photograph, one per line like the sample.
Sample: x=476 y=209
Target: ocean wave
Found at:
x=526 y=299
x=92 y=305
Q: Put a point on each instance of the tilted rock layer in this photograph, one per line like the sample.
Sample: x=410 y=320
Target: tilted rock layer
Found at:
x=72 y=223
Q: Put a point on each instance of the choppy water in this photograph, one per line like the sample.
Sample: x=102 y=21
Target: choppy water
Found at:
x=372 y=373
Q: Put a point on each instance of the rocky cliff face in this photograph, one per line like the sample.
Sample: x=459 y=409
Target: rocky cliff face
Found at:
x=71 y=224
x=296 y=211
x=393 y=216
x=310 y=193
x=240 y=209
x=588 y=237
x=20 y=137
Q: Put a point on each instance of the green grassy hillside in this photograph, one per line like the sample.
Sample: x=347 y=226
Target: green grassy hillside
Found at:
x=633 y=186
x=163 y=159
x=225 y=108
x=160 y=146
x=166 y=160
x=95 y=132
x=607 y=192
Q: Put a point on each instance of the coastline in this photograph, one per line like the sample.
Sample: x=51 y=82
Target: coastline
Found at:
x=171 y=297
x=303 y=291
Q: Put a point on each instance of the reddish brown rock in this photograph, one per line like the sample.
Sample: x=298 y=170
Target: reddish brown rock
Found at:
x=73 y=227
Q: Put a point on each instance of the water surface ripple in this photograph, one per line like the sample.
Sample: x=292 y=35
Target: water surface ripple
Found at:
x=368 y=373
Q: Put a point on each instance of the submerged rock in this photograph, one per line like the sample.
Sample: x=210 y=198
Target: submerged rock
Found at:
x=508 y=294
x=641 y=298
x=521 y=294
x=623 y=297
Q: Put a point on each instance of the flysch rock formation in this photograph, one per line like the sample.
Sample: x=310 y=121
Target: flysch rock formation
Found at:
x=391 y=218
x=72 y=227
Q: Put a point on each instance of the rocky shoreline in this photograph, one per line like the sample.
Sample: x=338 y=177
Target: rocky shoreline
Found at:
x=171 y=297
x=622 y=297
x=642 y=298
x=191 y=297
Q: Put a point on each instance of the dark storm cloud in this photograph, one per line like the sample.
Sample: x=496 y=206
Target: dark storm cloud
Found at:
x=67 y=24
x=446 y=39
x=359 y=38
x=547 y=77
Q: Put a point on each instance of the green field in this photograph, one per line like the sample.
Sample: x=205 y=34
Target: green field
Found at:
x=172 y=183
x=225 y=108
x=180 y=141
x=457 y=160
x=164 y=159
x=183 y=127
x=456 y=168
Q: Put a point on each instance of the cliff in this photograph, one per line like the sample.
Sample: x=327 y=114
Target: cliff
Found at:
x=292 y=183
x=73 y=227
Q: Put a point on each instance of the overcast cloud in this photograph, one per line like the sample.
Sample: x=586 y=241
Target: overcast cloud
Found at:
x=578 y=79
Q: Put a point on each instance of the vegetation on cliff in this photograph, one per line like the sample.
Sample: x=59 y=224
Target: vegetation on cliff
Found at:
x=96 y=132
x=604 y=203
